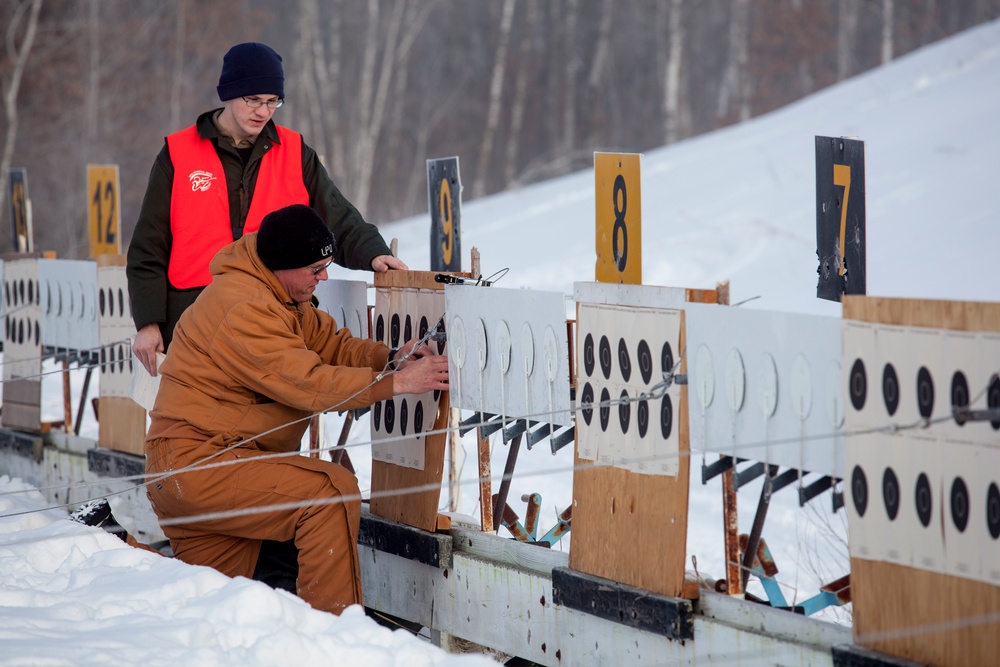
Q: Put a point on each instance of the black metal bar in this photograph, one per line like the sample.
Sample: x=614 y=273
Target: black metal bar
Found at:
x=515 y=429
x=494 y=424
x=810 y=491
x=83 y=400
x=562 y=439
x=621 y=603
x=405 y=541
x=500 y=500
x=786 y=478
x=716 y=468
x=537 y=435
x=758 y=523
x=747 y=475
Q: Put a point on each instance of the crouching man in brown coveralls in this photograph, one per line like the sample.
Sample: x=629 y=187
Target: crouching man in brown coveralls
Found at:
x=250 y=361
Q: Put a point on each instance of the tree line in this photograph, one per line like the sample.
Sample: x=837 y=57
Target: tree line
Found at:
x=520 y=90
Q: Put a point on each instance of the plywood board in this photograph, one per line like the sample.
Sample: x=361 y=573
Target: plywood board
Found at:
x=121 y=425
x=631 y=527
x=945 y=608
x=405 y=494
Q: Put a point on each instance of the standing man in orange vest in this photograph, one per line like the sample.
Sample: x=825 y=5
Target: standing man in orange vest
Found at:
x=214 y=181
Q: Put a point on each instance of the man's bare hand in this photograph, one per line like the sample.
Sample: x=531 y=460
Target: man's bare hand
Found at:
x=383 y=263
x=419 y=375
x=148 y=341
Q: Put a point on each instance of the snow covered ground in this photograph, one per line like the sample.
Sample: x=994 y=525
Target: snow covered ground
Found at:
x=738 y=204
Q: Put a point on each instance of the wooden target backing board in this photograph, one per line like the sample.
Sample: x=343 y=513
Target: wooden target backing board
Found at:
x=915 y=595
x=122 y=423
x=628 y=526
x=22 y=345
x=405 y=494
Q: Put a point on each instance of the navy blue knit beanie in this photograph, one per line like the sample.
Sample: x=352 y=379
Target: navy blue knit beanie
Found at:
x=293 y=237
x=251 y=69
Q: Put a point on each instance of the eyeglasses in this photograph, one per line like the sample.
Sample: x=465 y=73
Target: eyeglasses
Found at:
x=316 y=270
x=256 y=102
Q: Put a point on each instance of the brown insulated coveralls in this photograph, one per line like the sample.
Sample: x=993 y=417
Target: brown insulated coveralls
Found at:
x=245 y=370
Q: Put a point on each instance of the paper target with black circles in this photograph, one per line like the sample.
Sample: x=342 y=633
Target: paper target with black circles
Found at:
x=986 y=500
x=622 y=352
x=969 y=372
x=22 y=335
x=69 y=303
x=398 y=424
x=347 y=302
x=508 y=352
x=765 y=386
x=867 y=519
x=964 y=518
x=115 y=331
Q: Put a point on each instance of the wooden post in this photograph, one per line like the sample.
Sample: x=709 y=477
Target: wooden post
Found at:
x=67 y=397
x=485 y=483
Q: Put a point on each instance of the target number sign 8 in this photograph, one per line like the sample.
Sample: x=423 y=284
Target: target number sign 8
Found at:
x=619 y=218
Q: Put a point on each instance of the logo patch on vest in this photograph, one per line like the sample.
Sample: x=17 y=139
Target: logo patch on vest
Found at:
x=200 y=180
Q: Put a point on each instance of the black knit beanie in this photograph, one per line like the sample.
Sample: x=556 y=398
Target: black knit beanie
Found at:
x=251 y=69
x=293 y=237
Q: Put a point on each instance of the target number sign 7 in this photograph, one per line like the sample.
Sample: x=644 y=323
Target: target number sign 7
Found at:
x=619 y=218
x=104 y=215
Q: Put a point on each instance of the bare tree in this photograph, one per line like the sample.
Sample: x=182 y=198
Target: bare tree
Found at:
x=736 y=80
x=571 y=63
x=177 y=80
x=672 y=85
x=18 y=41
x=496 y=98
x=847 y=29
x=520 y=94
x=887 y=30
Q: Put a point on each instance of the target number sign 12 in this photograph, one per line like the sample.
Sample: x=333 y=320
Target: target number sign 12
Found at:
x=104 y=213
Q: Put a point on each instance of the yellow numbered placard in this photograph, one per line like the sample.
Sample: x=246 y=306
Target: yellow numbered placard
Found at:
x=618 y=239
x=104 y=212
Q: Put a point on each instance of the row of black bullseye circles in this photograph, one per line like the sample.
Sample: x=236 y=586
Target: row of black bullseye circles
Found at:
x=960 y=395
x=22 y=330
x=117 y=359
x=20 y=292
x=384 y=412
x=644 y=358
x=923 y=498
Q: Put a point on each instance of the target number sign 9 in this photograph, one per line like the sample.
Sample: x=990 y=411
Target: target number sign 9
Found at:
x=619 y=218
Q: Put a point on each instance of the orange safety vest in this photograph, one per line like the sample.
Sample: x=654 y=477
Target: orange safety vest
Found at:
x=199 y=202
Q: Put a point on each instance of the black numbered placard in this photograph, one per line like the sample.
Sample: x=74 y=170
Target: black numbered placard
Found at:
x=444 y=193
x=840 y=217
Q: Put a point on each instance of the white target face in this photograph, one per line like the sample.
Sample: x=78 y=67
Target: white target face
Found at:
x=736 y=380
x=765 y=364
x=518 y=363
x=503 y=346
x=702 y=381
x=801 y=387
x=115 y=330
x=627 y=414
x=399 y=425
x=456 y=342
x=347 y=302
x=933 y=478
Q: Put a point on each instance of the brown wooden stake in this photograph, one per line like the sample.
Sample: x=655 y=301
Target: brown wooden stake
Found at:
x=340 y=455
x=734 y=579
x=67 y=397
x=485 y=485
x=314 y=437
x=731 y=537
